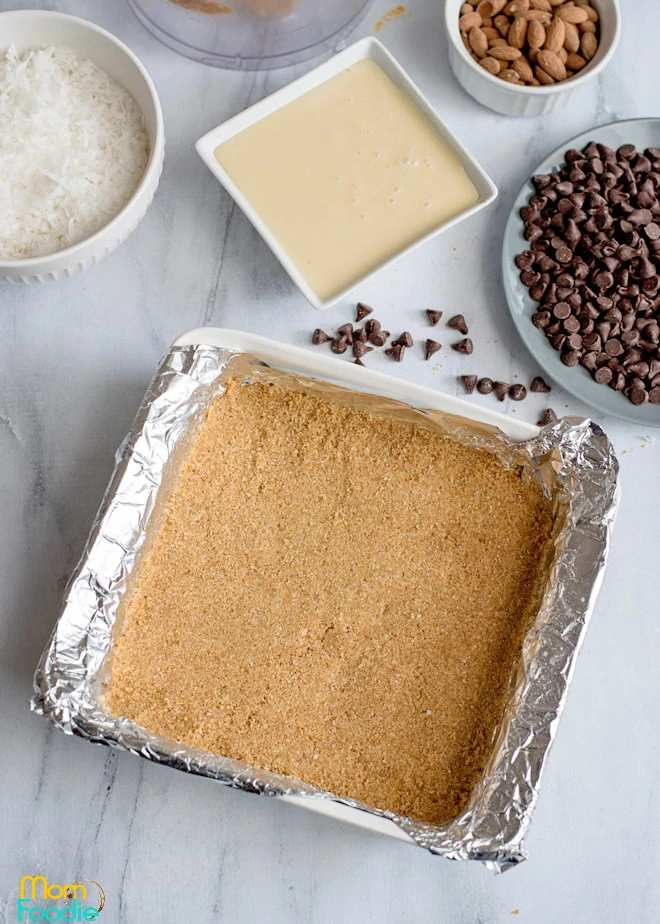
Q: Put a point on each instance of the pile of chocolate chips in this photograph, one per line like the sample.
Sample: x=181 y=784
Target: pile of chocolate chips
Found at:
x=593 y=264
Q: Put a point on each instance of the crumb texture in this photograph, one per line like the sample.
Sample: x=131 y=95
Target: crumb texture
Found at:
x=337 y=597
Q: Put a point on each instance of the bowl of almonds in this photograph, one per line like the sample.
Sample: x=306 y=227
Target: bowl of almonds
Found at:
x=528 y=57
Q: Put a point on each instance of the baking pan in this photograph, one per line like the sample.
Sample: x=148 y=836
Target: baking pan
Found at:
x=572 y=460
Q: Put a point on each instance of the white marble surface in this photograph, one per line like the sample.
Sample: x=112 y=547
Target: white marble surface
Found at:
x=75 y=358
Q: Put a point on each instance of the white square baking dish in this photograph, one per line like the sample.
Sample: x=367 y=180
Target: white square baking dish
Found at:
x=574 y=462
x=372 y=49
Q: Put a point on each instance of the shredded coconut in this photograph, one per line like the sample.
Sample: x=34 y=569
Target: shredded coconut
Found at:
x=73 y=149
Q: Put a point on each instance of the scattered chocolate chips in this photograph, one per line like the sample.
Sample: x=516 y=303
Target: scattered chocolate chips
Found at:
x=405 y=340
x=539 y=384
x=547 y=417
x=433 y=316
x=379 y=337
x=362 y=311
x=320 y=336
x=485 y=386
x=432 y=346
x=396 y=351
x=517 y=392
x=360 y=349
x=593 y=265
x=346 y=330
x=501 y=390
x=470 y=381
x=458 y=323
x=463 y=346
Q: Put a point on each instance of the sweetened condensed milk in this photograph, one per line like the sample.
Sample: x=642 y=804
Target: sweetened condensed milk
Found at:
x=347 y=175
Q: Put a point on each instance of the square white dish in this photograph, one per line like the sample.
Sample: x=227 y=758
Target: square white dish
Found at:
x=367 y=48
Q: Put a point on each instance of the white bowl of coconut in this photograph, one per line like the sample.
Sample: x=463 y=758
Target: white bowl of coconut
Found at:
x=81 y=144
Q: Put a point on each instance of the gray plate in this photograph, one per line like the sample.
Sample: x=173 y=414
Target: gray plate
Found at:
x=643 y=133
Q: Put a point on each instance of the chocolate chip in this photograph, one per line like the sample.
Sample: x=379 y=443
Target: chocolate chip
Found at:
x=379 y=337
x=339 y=345
x=485 y=386
x=320 y=336
x=362 y=311
x=434 y=316
x=396 y=352
x=360 y=349
x=432 y=346
x=463 y=346
x=405 y=339
x=638 y=395
x=358 y=362
x=360 y=334
x=371 y=326
x=469 y=381
x=603 y=375
x=570 y=357
x=346 y=330
x=547 y=417
x=539 y=384
x=458 y=323
x=517 y=392
x=501 y=390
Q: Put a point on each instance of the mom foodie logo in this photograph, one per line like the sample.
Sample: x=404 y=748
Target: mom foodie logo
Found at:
x=71 y=902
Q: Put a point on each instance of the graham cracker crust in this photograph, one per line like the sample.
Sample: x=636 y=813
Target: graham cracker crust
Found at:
x=336 y=597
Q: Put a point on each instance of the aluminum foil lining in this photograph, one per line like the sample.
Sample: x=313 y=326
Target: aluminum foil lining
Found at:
x=572 y=460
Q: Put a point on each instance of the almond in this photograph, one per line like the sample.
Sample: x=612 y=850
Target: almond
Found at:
x=491 y=65
x=498 y=41
x=509 y=75
x=517 y=32
x=523 y=68
x=532 y=54
x=554 y=36
x=592 y=14
x=535 y=34
x=587 y=27
x=501 y=23
x=571 y=36
x=572 y=14
x=563 y=54
x=534 y=82
x=540 y=5
x=537 y=16
x=489 y=8
x=467 y=8
x=478 y=41
x=542 y=76
x=505 y=53
x=552 y=64
x=486 y=22
x=575 y=62
x=516 y=7
x=588 y=45
x=464 y=39
x=490 y=33
x=469 y=21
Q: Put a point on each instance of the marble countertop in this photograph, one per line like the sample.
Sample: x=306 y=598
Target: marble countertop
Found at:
x=75 y=358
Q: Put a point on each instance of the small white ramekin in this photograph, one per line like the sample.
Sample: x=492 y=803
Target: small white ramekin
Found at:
x=30 y=28
x=513 y=100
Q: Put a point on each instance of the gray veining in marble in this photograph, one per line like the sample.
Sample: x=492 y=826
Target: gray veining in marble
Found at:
x=75 y=359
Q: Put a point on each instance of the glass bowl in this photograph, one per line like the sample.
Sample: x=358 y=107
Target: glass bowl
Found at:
x=251 y=35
